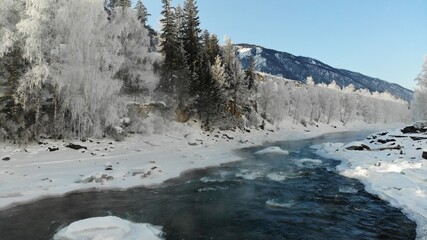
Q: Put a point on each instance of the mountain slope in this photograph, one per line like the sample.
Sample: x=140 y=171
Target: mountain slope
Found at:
x=299 y=68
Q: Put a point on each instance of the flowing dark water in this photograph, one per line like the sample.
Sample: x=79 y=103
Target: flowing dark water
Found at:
x=263 y=197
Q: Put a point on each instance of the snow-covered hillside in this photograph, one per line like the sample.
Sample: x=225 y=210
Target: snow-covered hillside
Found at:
x=299 y=68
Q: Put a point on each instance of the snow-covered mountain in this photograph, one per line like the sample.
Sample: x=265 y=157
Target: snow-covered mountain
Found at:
x=299 y=68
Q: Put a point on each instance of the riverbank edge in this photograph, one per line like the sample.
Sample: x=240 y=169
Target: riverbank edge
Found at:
x=360 y=165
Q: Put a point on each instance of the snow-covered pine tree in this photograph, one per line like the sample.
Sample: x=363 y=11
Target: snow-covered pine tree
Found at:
x=123 y=3
x=210 y=100
x=250 y=73
x=234 y=79
x=211 y=44
x=142 y=12
x=182 y=84
x=182 y=71
x=419 y=104
x=169 y=47
x=192 y=42
x=179 y=25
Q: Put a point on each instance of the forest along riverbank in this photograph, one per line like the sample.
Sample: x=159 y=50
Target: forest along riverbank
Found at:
x=392 y=165
x=281 y=190
x=50 y=168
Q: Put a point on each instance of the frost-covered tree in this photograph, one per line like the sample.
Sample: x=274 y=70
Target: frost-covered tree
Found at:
x=267 y=91
x=64 y=77
x=280 y=99
x=419 y=104
x=218 y=71
x=87 y=59
x=137 y=69
x=35 y=33
x=10 y=13
x=118 y=3
x=235 y=86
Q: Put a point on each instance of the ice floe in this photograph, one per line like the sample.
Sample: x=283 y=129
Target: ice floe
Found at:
x=108 y=228
x=272 y=150
x=277 y=204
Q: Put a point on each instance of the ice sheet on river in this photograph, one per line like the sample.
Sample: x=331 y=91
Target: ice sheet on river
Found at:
x=110 y=227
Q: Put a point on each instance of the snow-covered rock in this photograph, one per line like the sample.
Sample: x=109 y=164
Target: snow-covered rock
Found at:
x=108 y=228
x=108 y=166
x=272 y=150
x=97 y=177
x=194 y=139
x=420 y=124
x=147 y=170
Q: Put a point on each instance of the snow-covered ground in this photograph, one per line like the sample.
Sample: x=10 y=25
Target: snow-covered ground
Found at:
x=390 y=166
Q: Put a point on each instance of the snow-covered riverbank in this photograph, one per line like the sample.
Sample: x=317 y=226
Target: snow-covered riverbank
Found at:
x=34 y=172
x=390 y=165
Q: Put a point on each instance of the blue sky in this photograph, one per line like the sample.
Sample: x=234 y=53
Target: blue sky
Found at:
x=380 y=38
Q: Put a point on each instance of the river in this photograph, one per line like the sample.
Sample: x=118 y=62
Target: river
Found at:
x=262 y=197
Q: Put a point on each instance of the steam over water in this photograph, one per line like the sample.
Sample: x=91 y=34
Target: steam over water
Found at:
x=273 y=196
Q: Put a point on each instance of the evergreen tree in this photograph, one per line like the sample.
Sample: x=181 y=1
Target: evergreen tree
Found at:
x=234 y=76
x=192 y=41
x=179 y=23
x=215 y=49
x=211 y=44
x=182 y=84
x=111 y=4
x=142 y=13
x=210 y=99
x=250 y=73
x=13 y=120
x=169 y=48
